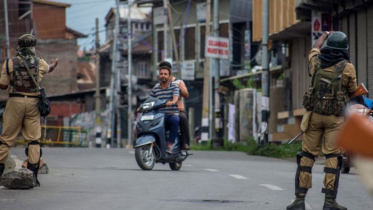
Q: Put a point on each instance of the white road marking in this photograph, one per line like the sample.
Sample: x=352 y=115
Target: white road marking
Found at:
x=307 y=206
x=187 y=165
x=131 y=152
x=272 y=187
x=237 y=176
x=212 y=170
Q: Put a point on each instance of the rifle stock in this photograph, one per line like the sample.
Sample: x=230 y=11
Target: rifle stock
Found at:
x=361 y=90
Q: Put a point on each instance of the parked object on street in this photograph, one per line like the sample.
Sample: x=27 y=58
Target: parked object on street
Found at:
x=151 y=143
x=43 y=167
x=18 y=179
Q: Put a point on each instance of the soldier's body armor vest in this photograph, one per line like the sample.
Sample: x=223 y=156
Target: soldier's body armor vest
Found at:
x=326 y=95
x=22 y=81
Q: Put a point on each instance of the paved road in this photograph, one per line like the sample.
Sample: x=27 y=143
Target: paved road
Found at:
x=96 y=179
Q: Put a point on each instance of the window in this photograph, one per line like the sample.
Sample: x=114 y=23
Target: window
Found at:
x=177 y=38
x=224 y=30
x=190 y=44
x=203 y=40
x=141 y=69
x=24 y=8
x=160 y=46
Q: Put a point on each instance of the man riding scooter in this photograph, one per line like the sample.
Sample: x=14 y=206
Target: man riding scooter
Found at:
x=170 y=92
x=184 y=123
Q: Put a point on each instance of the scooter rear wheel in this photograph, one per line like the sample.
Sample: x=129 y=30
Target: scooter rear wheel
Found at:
x=144 y=159
x=176 y=166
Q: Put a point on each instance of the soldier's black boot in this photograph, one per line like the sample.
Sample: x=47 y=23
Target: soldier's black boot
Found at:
x=331 y=204
x=34 y=168
x=298 y=204
x=2 y=167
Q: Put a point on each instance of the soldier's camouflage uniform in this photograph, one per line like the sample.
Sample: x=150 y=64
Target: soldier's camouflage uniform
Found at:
x=21 y=111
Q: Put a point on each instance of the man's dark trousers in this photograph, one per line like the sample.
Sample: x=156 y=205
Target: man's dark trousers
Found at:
x=184 y=128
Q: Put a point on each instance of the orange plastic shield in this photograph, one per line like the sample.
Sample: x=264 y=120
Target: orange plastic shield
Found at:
x=357 y=135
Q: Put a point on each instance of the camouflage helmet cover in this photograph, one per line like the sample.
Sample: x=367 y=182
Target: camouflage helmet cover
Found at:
x=27 y=40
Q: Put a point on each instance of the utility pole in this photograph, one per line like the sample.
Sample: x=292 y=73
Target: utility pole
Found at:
x=119 y=126
x=129 y=75
x=206 y=84
x=165 y=35
x=173 y=39
x=214 y=83
x=7 y=28
x=265 y=73
x=97 y=96
x=113 y=73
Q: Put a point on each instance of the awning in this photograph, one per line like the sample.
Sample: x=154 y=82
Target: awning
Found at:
x=272 y=69
x=300 y=29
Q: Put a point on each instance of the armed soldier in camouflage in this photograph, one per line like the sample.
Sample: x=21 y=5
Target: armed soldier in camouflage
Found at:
x=333 y=81
x=21 y=111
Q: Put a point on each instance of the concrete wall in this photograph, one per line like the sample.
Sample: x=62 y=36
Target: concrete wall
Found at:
x=244 y=102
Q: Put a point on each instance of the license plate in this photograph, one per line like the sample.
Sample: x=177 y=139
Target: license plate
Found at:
x=147 y=117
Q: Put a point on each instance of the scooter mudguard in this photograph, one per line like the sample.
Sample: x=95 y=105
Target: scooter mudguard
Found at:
x=144 y=140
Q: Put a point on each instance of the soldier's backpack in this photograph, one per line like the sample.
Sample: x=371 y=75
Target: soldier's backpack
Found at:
x=326 y=95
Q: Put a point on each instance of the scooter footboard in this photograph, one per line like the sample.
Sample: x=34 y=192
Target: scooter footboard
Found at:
x=144 y=140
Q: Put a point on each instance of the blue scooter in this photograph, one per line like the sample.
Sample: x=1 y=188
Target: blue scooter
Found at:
x=150 y=145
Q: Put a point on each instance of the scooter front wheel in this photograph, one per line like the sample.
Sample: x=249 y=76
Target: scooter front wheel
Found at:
x=145 y=157
x=176 y=166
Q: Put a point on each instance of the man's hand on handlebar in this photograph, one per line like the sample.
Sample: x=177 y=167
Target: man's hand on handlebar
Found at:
x=169 y=103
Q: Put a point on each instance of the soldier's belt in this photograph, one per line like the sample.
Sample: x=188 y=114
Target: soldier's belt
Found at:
x=21 y=96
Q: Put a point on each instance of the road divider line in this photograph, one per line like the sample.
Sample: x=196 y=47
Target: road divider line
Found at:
x=307 y=206
x=272 y=187
x=237 y=176
x=131 y=152
x=211 y=170
x=187 y=165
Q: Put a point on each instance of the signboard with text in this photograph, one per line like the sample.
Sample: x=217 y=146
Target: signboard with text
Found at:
x=188 y=70
x=217 y=47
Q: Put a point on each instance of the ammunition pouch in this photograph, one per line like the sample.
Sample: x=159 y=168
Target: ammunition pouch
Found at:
x=43 y=104
x=308 y=99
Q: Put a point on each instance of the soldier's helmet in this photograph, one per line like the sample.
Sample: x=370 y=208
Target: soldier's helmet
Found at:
x=27 y=40
x=337 y=40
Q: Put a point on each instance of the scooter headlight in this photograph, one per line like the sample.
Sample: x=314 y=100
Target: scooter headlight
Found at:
x=148 y=106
